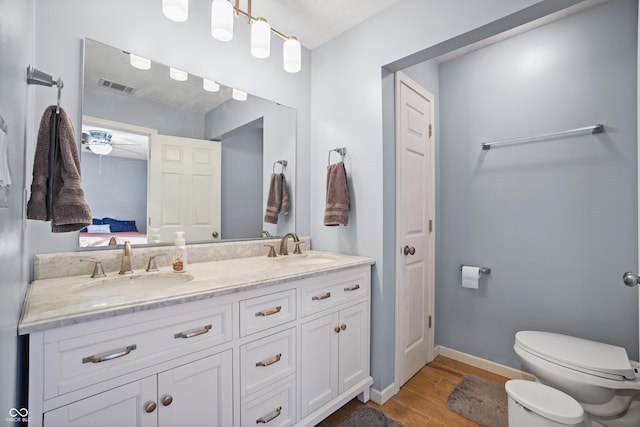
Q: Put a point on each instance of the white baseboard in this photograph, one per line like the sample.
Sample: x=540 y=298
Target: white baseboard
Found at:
x=380 y=397
x=487 y=365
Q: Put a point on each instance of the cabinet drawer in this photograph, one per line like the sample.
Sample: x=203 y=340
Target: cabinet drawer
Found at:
x=274 y=408
x=331 y=293
x=258 y=314
x=266 y=361
x=97 y=353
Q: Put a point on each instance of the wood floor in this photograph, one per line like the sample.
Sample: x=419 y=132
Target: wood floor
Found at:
x=420 y=402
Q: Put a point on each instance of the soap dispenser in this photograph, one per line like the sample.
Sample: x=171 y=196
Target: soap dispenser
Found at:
x=180 y=253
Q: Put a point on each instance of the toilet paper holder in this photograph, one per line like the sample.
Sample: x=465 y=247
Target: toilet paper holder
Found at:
x=483 y=270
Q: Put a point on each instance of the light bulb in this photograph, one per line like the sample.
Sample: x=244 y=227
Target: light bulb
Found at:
x=222 y=20
x=239 y=95
x=139 y=62
x=210 y=86
x=291 y=55
x=179 y=75
x=260 y=38
x=176 y=10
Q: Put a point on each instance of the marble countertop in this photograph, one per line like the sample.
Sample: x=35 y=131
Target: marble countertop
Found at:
x=52 y=303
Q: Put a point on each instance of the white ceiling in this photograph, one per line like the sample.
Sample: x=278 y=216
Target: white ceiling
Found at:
x=315 y=22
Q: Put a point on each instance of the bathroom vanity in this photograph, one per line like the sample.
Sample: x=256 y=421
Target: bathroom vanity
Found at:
x=236 y=342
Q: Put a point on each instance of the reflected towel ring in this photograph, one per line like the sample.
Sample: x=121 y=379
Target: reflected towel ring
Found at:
x=340 y=150
x=282 y=163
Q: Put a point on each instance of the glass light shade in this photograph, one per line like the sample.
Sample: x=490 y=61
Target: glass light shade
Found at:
x=210 y=86
x=239 y=95
x=179 y=75
x=222 y=20
x=291 y=55
x=139 y=62
x=100 y=148
x=260 y=38
x=176 y=10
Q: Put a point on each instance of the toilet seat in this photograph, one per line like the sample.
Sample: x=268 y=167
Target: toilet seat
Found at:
x=590 y=357
x=545 y=401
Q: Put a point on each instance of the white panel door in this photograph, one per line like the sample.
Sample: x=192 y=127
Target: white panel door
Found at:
x=197 y=394
x=122 y=406
x=184 y=187
x=415 y=199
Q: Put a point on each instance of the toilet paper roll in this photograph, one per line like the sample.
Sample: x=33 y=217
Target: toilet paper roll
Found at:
x=470 y=277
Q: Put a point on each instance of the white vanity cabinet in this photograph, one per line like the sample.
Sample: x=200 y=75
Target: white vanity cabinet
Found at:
x=185 y=395
x=283 y=353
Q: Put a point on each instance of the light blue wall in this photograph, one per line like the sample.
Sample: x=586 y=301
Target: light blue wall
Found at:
x=242 y=208
x=347 y=111
x=116 y=187
x=556 y=220
x=167 y=120
x=139 y=26
x=17 y=27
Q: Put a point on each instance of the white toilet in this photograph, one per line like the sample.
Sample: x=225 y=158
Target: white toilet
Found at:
x=533 y=404
x=599 y=376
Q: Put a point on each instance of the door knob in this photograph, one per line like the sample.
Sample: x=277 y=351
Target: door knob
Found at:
x=630 y=279
x=409 y=250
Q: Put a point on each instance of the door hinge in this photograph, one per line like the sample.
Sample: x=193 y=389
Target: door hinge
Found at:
x=429 y=321
x=430 y=130
x=430 y=225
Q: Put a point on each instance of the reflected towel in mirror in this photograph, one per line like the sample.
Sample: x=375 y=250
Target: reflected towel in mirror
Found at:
x=278 y=198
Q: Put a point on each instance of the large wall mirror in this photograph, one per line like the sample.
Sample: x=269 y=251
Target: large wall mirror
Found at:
x=165 y=151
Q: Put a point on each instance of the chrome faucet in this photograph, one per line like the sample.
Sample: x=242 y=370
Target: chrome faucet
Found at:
x=264 y=233
x=125 y=267
x=283 y=244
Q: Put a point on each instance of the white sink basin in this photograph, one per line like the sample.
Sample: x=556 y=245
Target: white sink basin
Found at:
x=306 y=259
x=132 y=283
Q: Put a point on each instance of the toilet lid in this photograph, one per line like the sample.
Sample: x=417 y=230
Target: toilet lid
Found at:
x=591 y=357
x=545 y=401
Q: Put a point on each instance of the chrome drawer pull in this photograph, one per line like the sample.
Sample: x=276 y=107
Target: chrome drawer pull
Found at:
x=276 y=359
x=191 y=334
x=321 y=297
x=352 y=288
x=108 y=355
x=269 y=312
x=272 y=416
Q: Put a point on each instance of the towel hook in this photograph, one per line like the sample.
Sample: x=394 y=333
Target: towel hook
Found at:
x=340 y=150
x=60 y=85
x=282 y=163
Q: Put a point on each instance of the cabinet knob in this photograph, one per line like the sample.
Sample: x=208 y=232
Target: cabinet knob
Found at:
x=343 y=327
x=150 y=406
x=167 y=399
x=337 y=329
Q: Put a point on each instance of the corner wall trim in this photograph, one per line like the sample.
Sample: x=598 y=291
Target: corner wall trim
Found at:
x=485 y=364
x=380 y=397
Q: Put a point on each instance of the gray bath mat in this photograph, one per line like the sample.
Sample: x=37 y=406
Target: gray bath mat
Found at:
x=369 y=417
x=479 y=400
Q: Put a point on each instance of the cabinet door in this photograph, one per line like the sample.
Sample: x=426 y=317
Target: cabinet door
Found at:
x=353 y=346
x=122 y=406
x=197 y=394
x=319 y=366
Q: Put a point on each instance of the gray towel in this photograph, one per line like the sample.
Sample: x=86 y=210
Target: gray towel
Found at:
x=56 y=191
x=278 y=198
x=337 y=206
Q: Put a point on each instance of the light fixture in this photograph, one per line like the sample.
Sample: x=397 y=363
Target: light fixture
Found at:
x=222 y=20
x=210 y=86
x=222 y=12
x=239 y=95
x=139 y=62
x=291 y=55
x=260 y=38
x=97 y=141
x=178 y=75
x=176 y=10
